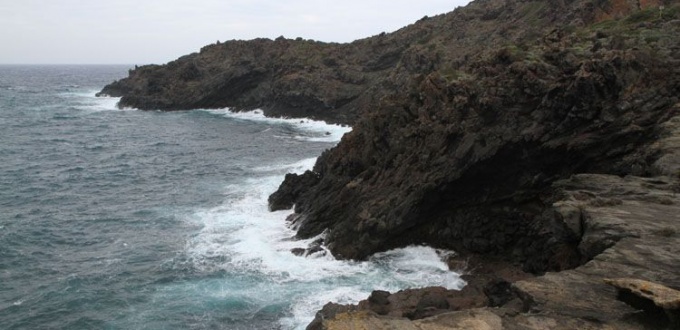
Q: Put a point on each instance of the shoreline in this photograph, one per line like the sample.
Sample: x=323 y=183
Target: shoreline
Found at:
x=546 y=135
x=636 y=216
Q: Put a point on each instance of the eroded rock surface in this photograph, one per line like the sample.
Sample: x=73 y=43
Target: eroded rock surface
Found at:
x=628 y=227
x=466 y=161
x=337 y=82
x=661 y=295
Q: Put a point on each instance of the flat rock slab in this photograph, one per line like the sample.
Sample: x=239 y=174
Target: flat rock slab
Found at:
x=631 y=228
x=661 y=295
x=475 y=319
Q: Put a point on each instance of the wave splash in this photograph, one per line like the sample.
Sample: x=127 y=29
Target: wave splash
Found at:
x=312 y=130
x=244 y=240
x=87 y=101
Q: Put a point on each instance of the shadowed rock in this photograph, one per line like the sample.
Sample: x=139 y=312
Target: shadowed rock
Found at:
x=649 y=297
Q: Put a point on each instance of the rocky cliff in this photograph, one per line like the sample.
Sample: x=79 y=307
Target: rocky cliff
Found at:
x=464 y=156
x=336 y=82
x=543 y=133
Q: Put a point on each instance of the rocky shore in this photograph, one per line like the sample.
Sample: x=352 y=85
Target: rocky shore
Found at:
x=538 y=139
x=629 y=229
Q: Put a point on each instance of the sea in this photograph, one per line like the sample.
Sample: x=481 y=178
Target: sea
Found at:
x=126 y=219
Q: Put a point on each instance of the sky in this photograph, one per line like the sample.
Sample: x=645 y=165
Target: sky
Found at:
x=158 y=31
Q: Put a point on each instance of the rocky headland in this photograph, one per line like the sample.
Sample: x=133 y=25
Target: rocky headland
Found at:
x=538 y=139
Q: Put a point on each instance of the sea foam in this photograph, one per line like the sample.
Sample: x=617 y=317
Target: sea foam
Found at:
x=243 y=239
x=88 y=101
x=315 y=130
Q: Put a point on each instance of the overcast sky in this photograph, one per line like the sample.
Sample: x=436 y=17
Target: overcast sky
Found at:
x=158 y=31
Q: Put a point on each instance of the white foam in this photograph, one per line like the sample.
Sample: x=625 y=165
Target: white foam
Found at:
x=104 y=104
x=243 y=237
x=316 y=130
x=298 y=167
x=88 y=101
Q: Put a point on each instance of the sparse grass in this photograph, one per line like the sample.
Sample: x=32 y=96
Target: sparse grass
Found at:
x=631 y=23
x=671 y=13
x=645 y=15
x=605 y=25
x=652 y=38
x=510 y=54
x=531 y=11
x=453 y=75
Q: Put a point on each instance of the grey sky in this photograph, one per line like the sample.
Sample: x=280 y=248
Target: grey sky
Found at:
x=158 y=31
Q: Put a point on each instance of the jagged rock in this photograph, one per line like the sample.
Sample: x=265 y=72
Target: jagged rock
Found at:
x=298 y=251
x=378 y=302
x=336 y=82
x=465 y=161
x=329 y=311
x=379 y=297
x=430 y=305
x=487 y=281
x=290 y=189
x=640 y=238
x=315 y=247
x=499 y=292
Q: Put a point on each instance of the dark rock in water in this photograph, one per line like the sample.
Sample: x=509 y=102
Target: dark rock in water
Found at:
x=315 y=247
x=298 y=251
x=290 y=190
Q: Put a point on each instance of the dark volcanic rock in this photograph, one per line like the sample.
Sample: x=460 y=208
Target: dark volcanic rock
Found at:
x=464 y=157
x=290 y=189
x=642 y=232
x=336 y=82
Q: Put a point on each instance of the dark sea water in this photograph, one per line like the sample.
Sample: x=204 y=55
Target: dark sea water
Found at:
x=126 y=219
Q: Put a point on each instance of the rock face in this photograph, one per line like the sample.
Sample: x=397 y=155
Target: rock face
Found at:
x=337 y=82
x=293 y=78
x=465 y=156
x=628 y=226
x=493 y=159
